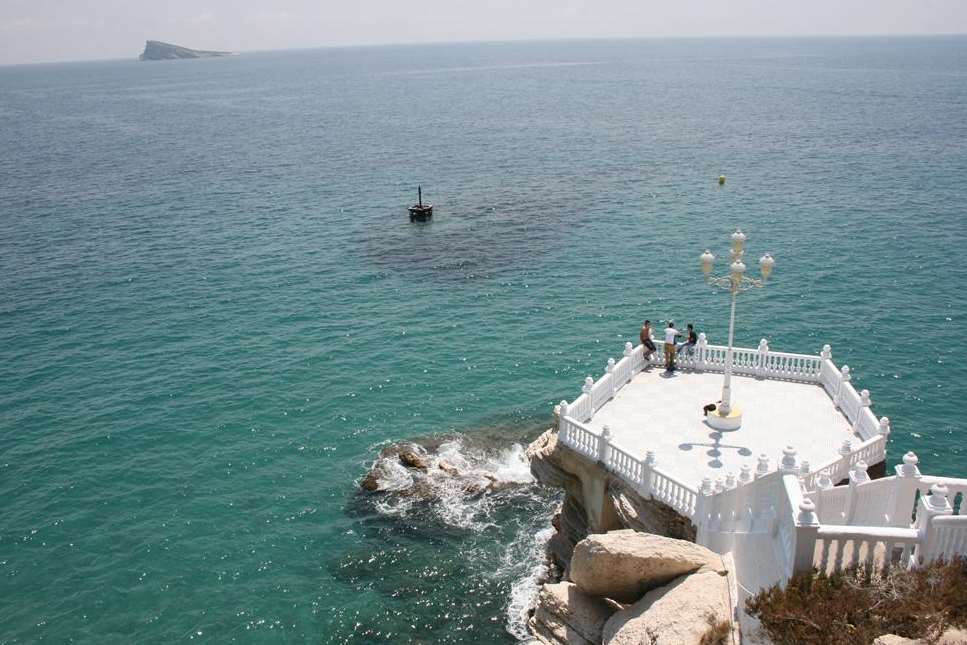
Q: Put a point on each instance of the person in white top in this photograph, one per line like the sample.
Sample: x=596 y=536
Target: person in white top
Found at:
x=671 y=334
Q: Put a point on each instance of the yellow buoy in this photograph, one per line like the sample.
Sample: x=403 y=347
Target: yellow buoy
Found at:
x=721 y=180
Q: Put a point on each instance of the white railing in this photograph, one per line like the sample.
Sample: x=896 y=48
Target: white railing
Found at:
x=838 y=547
x=627 y=466
x=667 y=489
x=580 y=438
x=814 y=522
x=947 y=537
x=868 y=522
x=795 y=367
x=871 y=451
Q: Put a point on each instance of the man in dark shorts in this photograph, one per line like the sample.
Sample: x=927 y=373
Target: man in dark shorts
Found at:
x=645 y=337
x=689 y=345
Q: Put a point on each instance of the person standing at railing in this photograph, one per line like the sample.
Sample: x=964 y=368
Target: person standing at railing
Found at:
x=671 y=335
x=646 y=342
x=688 y=346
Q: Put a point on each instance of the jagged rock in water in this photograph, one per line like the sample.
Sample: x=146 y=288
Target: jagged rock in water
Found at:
x=370 y=482
x=624 y=565
x=677 y=614
x=157 y=50
x=448 y=468
x=648 y=515
x=412 y=459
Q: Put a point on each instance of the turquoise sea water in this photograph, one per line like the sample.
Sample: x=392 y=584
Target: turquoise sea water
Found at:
x=215 y=312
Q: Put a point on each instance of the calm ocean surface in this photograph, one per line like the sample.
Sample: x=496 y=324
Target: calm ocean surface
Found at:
x=215 y=311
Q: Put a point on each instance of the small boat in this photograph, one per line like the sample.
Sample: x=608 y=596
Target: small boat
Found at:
x=420 y=212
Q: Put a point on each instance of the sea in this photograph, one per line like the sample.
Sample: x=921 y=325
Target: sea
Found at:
x=216 y=314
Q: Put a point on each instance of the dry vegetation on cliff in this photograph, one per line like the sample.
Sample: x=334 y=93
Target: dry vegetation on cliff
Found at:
x=853 y=607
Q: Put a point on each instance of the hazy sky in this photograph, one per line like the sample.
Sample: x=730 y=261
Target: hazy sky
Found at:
x=54 y=30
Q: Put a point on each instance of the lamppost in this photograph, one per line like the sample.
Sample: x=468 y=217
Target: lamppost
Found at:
x=727 y=416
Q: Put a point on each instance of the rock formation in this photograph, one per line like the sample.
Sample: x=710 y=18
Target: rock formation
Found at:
x=565 y=614
x=677 y=614
x=624 y=565
x=594 y=501
x=631 y=588
x=631 y=570
x=157 y=50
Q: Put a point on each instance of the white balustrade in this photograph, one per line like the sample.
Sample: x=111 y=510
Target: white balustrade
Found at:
x=839 y=547
x=580 y=438
x=829 y=377
x=946 y=537
x=872 y=451
x=580 y=408
x=671 y=492
x=626 y=465
x=813 y=521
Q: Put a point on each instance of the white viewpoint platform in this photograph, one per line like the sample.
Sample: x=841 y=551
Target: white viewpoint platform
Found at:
x=663 y=414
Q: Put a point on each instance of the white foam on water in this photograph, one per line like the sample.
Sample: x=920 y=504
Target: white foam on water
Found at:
x=464 y=500
x=526 y=587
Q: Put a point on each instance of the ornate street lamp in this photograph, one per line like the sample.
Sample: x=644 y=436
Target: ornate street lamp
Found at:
x=727 y=416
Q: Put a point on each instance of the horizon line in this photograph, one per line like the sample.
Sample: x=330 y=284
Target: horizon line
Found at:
x=576 y=39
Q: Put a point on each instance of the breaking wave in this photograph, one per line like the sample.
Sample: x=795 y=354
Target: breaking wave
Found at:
x=457 y=483
x=488 y=495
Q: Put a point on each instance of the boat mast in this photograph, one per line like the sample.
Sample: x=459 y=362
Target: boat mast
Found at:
x=419 y=193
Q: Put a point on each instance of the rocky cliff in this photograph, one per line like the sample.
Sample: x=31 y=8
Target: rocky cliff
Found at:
x=633 y=588
x=157 y=50
x=629 y=571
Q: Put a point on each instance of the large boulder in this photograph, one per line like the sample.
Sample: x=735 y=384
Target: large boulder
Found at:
x=680 y=613
x=624 y=565
x=566 y=615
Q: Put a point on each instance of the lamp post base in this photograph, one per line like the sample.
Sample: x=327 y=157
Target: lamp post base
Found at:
x=730 y=421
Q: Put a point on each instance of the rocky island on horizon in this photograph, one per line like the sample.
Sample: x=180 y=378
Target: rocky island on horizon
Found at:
x=157 y=50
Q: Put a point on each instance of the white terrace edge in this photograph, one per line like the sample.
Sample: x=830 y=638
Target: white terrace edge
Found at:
x=904 y=519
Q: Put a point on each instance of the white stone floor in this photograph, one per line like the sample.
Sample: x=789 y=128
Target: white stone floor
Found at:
x=664 y=413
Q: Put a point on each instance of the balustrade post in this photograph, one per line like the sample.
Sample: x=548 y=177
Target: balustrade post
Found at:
x=702 y=347
x=905 y=490
x=865 y=402
x=827 y=353
x=762 y=358
x=844 y=379
x=604 y=447
x=823 y=482
x=857 y=477
x=745 y=474
x=807 y=528
x=729 y=481
x=609 y=369
x=788 y=464
x=804 y=468
x=885 y=426
x=719 y=485
x=703 y=504
x=644 y=489
x=929 y=507
x=562 y=409
x=846 y=449
x=586 y=389
x=762 y=466
x=629 y=350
